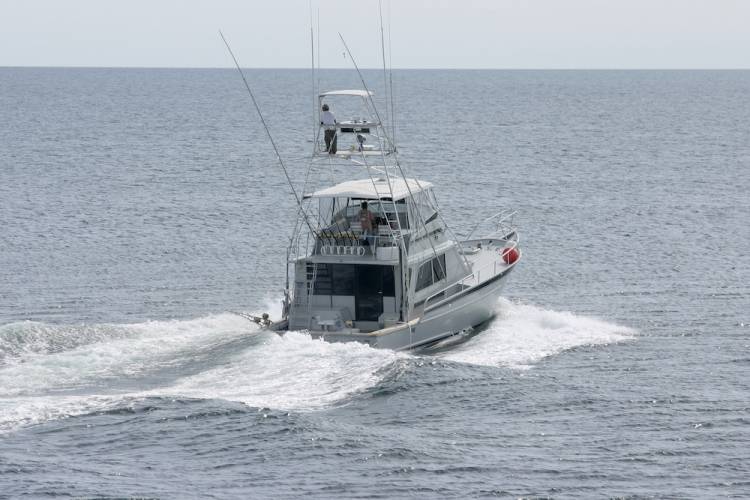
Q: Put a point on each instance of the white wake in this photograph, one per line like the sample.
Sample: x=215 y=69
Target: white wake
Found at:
x=50 y=371
x=521 y=335
x=60 y=373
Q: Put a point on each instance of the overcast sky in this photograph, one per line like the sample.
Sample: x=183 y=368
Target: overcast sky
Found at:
x=425 y=34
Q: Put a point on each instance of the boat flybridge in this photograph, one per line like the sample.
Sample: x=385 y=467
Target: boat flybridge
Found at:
x=371 y=259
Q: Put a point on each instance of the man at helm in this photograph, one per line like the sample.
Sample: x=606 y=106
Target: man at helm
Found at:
x=367 y=221
x=328 y=120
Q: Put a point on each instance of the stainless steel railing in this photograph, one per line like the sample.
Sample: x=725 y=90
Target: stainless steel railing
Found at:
x=502 y=223
x=489 y=271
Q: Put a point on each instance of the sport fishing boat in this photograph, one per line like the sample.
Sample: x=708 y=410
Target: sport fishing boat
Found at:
x=371 y=258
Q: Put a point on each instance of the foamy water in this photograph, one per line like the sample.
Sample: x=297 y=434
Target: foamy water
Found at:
x=53 y=371
x=523 y=334
x=57 y=371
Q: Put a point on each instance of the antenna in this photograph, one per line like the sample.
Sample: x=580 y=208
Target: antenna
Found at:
x=268 y=132
x=364 y=85
x=312 y=80
x=390 y=78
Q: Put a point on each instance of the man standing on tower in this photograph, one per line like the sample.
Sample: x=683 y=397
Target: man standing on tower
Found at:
x=328 y=120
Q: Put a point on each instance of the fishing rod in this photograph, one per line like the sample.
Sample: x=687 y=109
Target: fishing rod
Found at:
x=268 y=132
x=390 y=79
x=385 y=74
x=395 y=155
x=312 y=79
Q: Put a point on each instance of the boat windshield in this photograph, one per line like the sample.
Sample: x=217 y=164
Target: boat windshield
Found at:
x=341 y=214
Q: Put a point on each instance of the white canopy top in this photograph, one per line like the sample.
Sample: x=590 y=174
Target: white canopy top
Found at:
x=356 y=93
x=366 y=189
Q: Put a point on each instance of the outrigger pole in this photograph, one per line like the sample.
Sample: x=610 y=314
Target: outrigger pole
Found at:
x=382 y=49
x=268 y=132
x=312 y=80
x=395 y=155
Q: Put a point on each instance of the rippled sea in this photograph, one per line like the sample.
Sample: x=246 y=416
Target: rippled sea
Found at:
x=139 y=207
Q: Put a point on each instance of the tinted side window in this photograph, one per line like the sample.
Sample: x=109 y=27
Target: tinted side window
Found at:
x=431 y=272
x=438 y=268
x=424 y=276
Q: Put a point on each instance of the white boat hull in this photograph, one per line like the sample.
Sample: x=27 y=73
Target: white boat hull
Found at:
x=449 y=317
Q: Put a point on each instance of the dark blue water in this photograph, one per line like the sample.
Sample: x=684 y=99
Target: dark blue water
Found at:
x=138 y=207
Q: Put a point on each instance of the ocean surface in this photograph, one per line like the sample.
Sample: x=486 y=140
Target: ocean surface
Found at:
x=139 y=207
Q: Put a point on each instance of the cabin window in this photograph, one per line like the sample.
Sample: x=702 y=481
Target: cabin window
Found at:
x=431 y=272
x=424 y=276
x=438 y=268
x=389 y=281
x=337 y=215
x=331 y=279
x=342 y=279
x=321 y=276
x=348 y=279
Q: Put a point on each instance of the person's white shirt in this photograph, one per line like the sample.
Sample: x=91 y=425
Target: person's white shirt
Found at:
x=327 y=119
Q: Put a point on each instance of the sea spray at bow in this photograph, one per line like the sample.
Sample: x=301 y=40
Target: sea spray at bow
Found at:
x=522 y=334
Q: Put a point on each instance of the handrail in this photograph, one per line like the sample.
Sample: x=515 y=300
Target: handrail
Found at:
x=501 y=216
x=514 y=244
x=354 y=244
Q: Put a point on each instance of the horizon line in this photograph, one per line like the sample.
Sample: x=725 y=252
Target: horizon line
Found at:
x=380 y=68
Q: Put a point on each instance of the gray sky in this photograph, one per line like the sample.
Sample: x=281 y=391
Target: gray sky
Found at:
x=425 y=34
